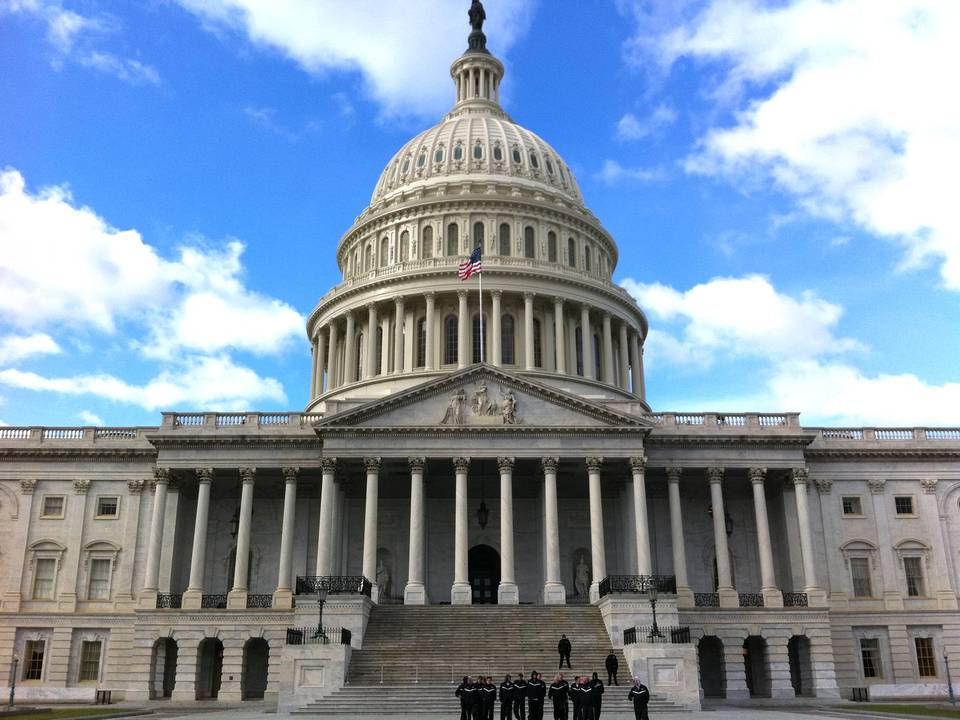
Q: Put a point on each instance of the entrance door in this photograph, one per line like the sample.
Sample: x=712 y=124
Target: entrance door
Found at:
x=484 y=570
x=209 y=669
x=256 y=658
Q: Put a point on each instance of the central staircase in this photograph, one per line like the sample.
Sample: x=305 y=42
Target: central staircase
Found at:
x=413 y=657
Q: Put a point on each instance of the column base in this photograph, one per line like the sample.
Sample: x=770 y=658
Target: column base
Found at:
x=147 y=600
x=125 y=601
x=729 y=597
x=946 y=600
x=892 y=600
x=183 y=695
x=414 y=594
x=192 y=599
x=816 y=597
x=237 y=600
x=375 y=592
x=283 y=599
x=508 y=594
x=554 y=594
x=11 y=601
x=595 y=591
x=685 y=597
x=67 y=602
x=782 y=693
x=461 y=594
x=737 y=694
x=772 y=597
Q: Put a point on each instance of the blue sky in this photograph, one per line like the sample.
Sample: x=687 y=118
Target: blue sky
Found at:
x=780 y=177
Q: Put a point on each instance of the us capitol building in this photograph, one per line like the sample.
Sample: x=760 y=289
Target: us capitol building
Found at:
x=431 y=468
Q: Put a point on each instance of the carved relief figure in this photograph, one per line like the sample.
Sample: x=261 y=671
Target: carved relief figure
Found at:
x=509 y=408
x=581 y=581
x=454 y=415
x=481 y=403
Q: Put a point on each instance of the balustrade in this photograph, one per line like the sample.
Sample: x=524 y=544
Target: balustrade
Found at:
x=751 y=600
x=319 y=636
x=637 y=584
x=795 y=599
x=333 y=584
x=660 y=635
x=706 y=599
x=169 y=601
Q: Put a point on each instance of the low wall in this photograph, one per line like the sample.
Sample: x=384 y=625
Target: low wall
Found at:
x=311 y=672
x=908 y=691
x=669 y=671
x=626 y=611
x=347 y=611
x=46 y=693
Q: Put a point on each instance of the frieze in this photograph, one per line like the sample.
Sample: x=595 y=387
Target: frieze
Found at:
x=481 y=410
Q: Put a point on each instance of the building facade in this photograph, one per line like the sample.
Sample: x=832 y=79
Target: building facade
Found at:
x=461 y=449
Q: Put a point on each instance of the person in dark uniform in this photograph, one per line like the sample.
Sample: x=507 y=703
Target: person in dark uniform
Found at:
x=559 y=694
x=506 y=698
x=488 y=697
x=520 y=698
x=587 y=699
x=639 y=696
x=596 y=685
x=536 y=692
x=612 y=665
x=467 y=694
x=564 y=648
x=576 y=697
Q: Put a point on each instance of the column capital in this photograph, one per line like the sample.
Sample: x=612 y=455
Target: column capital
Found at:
x=81 y=486
x=461 y=464
x=496 y=293
x=371 y=306
x=799 y=476
x=673 y=473
x=290 y=473
x=877 y=486
x=558 y=302
x=417 y=464
x=757 y=474
x=594 y=464
x=638 y=463
x=372 y=464
x=399 y=300
x=824 y=485
x=328 y=465
x=929 y=486
x=135 y=487
x=529 y=296
x=429 y=295
x=715 y=475
x=161 y=475
x=248 y=474
x=27 y=486
x=204 y=474
x=348 y=315
x=505 y=464
x=549 y=464
x=462 y=294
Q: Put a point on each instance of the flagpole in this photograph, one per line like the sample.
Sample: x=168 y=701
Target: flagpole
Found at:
x=480 y=278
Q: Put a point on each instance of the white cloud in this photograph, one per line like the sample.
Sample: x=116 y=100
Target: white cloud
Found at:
x=844 y=104
x=630 y=127
x=131 y=71
x=200 y=382
x=89 y=418
x=613 y=173
x=403 y=50
x=18 y=347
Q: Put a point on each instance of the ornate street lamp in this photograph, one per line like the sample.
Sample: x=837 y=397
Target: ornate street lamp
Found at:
x=13 y=681
x=321 y=599
x=652 y=596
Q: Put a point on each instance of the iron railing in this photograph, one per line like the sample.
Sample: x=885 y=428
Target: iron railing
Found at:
x=706 y=599
x=318 y=636
x=260 y=601
x=669 y=635
x=751 y=600
x=638 y=584
x=795 y=599
x=169 y=601
x=333 y=584
x=214 y=602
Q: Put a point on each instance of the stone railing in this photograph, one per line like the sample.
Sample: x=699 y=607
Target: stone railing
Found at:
x=724 y=421
x=75 y=434
x=873 y=434
x=240 y=421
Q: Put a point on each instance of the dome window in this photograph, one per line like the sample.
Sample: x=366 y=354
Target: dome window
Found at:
x=478 y=152
x=422 y=160
x=534 y=161
x=549 y=166
x=516 y=155
x=458 y=152
x=438 y=156
x=406 y=166
x=497 y=153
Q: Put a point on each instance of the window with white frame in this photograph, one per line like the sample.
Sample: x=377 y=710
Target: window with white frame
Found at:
x=33 y=654
x=903 y=504
x=52 y=508
x=90 y=651
x=108 y=507
x=913 y=572
x=870 y=658
x=852 y=505
x=44 y=578
x=98 y=587
x=860 y=577
x=926 y=660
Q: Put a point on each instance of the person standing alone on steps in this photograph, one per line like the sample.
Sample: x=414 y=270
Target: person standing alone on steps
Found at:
x=639 y=696
x=564 y=648
x=612 y=665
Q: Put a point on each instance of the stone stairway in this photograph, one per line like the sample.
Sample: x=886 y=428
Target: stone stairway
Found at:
x=415 y=656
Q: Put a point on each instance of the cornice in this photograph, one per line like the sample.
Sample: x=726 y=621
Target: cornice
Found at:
x=902 y=453
x=692 y=442
x=478 y=431
x=212 y=441
x=92 y=453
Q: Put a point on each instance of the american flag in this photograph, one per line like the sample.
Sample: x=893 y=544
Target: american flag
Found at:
x=470 y=266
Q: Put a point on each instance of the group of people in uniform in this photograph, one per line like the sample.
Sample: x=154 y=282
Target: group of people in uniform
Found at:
x=521 y=699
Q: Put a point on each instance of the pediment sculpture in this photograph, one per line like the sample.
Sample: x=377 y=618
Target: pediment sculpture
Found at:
x=482 y=409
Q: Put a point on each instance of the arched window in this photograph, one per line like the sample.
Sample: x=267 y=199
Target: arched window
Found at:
x=508 y=347
x=478 y=234
x=478 y=152
x=426 y=243
x=505 y=240
x=497 y=153
x=450 y=340
x=534 y=160
x=384 y=252
x=368 y=260
x=586 y=258
x=572 y=253
x=579 y=347
x=529 y=242
x=453 y=239
x=404 y=246
x=537 y=345
x=477 y=355
x=552 y=246
x=517 y=157
x=421 y=342
x=438 y=155
x=458 y=152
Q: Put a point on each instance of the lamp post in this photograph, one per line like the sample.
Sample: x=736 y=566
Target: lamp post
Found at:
x=652 y=595
x=13 y=681
x=321 y=599
x=946 y=662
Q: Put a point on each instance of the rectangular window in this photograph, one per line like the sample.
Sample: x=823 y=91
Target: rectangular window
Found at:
x=926 y=665
x=52 y=506
x=99 y=588
x=913 y=569
x=852 y=505
x=108 y=507
x=43 y=578
x=90 y=660
x=33 y=659
x=903 y=504
x=579 y=346
x=870 y=655
x=860 y=574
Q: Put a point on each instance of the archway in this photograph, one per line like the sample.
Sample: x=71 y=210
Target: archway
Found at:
x=163 y=668
x=712 y=675
x=484 y=571
x=801 y=665
x=256 y=661
x=209 y=668
x=755 y=666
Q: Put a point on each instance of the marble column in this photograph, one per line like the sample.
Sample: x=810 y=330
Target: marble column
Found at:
x=684 y=593
x=193 y=597
x=372 y=465
x=332 y=372
x=608 y=350
x=415 y=592
x=460 y=593
x=283 y=595
x=507 y=593
x=638 y=468
x=635 y=369
x=624 y=349
x=151 y=578
x=370 y=361
x=728 y=594
x=815 y=593
x=560 y=344
x=321 y=366
x=772 y=597
x=237 y=597
x=496 y=334
x=350 y=351
x=597 y=550
x=586 y=335
x=529 y=356
x=398 y=315
x=430 y=343
x=554 y=592
x=464 y=336
x=328 y=499
x=314 y=346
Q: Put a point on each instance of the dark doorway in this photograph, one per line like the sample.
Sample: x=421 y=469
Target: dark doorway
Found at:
x=801 y=667
x=484 y=570
x=163 y=668
x=710 y=652
x=256 y=659
x=755 y=665
x=209 y=668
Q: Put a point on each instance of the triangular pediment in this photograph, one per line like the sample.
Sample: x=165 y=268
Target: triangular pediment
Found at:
x=482 y=397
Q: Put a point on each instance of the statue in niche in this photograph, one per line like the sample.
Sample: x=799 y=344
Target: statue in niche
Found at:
x=581 y=580
x=454 y=414
x=481 y=403
x=477 y=15
x=383 y=578
x=508 y=408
